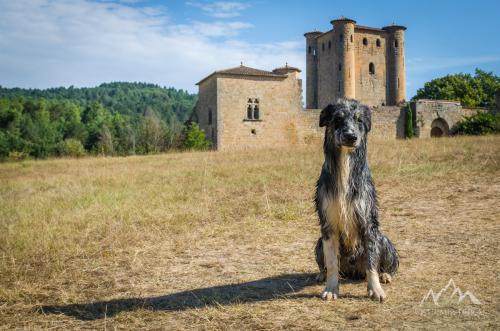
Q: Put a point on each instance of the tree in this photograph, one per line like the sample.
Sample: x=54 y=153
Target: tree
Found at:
x=471 y=91
x=150 y=133
x=195 y=138
x=105 y=145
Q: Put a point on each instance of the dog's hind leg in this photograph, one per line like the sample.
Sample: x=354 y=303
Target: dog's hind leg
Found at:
x=331 y=251
x=389 y=259
x=375 y=290
x=320 y=260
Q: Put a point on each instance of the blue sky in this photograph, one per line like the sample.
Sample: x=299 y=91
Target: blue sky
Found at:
x=47 y=43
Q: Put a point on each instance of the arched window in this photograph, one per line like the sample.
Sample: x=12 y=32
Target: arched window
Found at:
x=378 y=42
x=341 y=37
x=209 y=116
x=371 y=68
x=351 y=39
x=329 y=44
x=309 y=50
x=396 y=43
x=256 y=114
x=253 y=112
x=365 y=41
x=340 y=66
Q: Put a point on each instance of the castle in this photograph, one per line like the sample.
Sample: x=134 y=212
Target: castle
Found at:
x=358 y=62
x=243 y=107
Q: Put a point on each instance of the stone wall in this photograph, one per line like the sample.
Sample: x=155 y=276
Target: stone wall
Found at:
x=207 y=102
x=279 y=102
x=439 y=114
x=370 y=88
x=387 y=123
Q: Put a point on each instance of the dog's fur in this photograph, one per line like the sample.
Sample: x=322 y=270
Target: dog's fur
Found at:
x=351 y=243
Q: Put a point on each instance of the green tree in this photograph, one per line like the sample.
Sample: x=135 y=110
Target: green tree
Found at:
x=150 y=133
x=195 y=138
x=471 y=91
x=71 y=147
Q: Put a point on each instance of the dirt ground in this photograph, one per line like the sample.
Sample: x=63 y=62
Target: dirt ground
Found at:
x=224 y=241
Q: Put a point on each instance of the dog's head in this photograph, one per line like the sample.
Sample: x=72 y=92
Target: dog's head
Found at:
x=347 y=123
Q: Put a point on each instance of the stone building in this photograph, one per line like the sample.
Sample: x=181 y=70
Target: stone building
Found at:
x=243 y=107
x=354 y=61
x=247 y=107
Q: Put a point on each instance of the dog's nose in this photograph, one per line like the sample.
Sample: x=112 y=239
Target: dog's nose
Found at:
x=351 y=137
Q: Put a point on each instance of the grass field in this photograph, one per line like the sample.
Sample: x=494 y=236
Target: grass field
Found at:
x=220 y=240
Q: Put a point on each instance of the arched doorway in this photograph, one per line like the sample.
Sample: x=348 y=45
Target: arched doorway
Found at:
x=439 y=128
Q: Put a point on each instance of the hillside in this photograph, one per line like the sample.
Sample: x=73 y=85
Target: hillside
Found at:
x=113 y=119
x=118 y=97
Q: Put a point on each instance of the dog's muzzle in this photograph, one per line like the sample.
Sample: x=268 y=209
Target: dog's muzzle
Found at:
x=349 y=139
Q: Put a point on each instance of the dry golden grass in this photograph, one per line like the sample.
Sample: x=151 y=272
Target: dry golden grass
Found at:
x=225 y=240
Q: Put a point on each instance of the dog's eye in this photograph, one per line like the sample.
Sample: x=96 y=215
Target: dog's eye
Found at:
x=338 y=121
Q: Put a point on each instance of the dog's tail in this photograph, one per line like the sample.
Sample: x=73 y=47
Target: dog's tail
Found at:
x=389 y=258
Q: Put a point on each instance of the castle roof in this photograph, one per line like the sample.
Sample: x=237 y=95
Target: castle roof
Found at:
x=244 y=71
x=286 y=69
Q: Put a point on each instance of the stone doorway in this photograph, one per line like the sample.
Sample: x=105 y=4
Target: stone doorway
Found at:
x=439 y=128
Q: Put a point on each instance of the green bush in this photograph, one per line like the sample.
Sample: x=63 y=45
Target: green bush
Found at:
x=478 y=124
x=195 y=138
x=72 y=148
x=17 y=156
x=409 y=122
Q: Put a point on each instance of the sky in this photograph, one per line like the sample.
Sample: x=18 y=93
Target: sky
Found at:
x=49 y=43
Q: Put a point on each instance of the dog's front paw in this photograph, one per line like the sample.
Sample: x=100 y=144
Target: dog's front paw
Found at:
x=385 y=278
x=330 y=294
x=376 y=293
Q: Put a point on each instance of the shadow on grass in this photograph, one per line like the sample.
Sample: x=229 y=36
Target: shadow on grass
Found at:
x=264 y=289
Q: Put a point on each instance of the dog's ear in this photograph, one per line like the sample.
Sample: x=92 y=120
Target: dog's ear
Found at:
x=367 y=118
x=326 y=115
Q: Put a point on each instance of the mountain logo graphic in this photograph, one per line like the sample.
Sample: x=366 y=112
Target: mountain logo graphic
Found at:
x=456 y=291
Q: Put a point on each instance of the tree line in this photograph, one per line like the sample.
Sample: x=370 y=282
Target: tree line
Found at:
x=111 y=119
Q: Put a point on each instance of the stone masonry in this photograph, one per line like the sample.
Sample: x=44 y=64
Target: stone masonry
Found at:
x=354 y=61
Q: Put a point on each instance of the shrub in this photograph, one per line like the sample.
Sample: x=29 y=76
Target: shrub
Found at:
x=195 y=138
x=409 y=122
x=72 y=148
x=478 y=124
x=17 y=156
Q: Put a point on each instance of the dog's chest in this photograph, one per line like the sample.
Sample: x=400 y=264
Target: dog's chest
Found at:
x=340 y=208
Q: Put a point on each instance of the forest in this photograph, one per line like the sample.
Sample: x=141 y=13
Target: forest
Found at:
x=111 y=119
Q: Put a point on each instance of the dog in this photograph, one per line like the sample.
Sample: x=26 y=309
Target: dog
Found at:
x=351 y=244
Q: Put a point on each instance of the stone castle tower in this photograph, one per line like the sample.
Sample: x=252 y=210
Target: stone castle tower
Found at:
x=355 y=61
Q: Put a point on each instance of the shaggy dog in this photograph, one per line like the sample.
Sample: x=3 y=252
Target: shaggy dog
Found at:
x=346 y=203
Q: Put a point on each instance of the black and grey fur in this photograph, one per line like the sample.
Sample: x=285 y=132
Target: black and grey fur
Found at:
x=351 y=243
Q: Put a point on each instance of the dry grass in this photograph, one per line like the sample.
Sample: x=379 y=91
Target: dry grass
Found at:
x=225 y=240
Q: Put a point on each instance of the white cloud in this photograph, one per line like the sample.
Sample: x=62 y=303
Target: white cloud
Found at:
x=220 y=9
x=84 y=43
